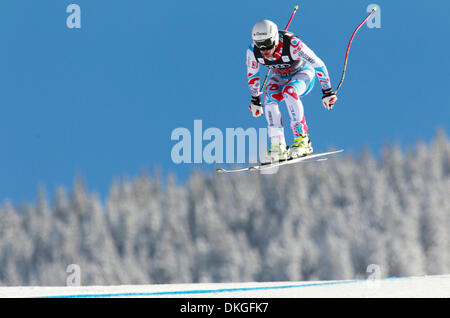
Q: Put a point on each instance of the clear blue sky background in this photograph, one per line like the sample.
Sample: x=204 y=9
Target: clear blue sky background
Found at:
x=101 y=102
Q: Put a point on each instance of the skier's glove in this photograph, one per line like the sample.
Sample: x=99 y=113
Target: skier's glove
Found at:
x=256 y=106
x=329 y=98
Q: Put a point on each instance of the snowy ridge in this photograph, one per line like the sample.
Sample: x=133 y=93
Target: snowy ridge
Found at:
x=424 y=286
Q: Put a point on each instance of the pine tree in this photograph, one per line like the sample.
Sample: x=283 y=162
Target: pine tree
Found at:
x=16 y=248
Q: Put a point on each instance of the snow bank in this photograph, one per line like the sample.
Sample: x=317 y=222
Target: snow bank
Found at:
x=425 y=286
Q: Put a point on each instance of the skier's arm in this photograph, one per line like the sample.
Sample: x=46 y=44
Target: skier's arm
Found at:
x=253 y=73
x=254 y=83
x=300 y=51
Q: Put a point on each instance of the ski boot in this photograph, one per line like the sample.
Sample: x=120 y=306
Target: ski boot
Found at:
x=278 y=152
x=301 y=147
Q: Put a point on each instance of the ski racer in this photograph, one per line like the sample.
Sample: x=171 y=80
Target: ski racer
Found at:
x=294 y=68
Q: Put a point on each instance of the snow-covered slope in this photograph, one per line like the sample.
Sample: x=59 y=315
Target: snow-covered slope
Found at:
x=426 y=286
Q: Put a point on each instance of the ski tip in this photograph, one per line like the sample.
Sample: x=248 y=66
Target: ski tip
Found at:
x=220 y=170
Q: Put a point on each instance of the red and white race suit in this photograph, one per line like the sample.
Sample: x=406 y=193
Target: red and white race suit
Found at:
x=294 y=69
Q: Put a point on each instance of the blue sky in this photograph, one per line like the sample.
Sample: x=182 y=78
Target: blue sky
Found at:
x=101 y=101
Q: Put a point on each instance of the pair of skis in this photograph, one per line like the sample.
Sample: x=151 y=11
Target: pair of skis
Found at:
x=317 y=156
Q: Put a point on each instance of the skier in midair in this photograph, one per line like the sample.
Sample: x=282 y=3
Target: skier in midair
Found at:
x=294 y=68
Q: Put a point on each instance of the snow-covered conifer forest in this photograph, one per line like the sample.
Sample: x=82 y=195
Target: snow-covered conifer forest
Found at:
x=313 y=221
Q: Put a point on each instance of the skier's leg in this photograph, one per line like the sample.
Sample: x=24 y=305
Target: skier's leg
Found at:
x=271 y=98
x=298 y=86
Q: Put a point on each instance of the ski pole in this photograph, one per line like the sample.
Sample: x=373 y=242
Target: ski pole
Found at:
x=287 y=26
x=348 y=48
x=292 y=16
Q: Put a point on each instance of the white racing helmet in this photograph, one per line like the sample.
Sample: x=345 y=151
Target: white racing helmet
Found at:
x=265 y=35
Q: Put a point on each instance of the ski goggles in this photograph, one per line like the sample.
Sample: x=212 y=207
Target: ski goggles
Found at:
x=267 y=44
